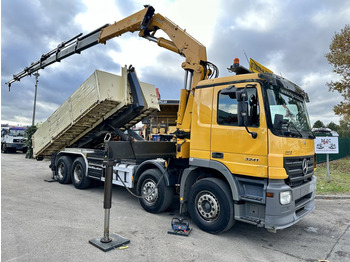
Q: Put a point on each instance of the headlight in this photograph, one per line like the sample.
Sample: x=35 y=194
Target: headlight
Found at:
x=286 y=197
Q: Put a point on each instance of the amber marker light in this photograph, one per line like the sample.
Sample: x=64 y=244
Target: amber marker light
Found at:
x=269 y=194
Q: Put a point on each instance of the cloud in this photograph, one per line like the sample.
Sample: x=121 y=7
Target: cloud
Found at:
x=321 y=102
x=257 y=16
x=38 y=34
x=96 y=14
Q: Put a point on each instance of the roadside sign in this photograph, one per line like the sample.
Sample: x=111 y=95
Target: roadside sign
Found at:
x=258 y=68
x=326 y=145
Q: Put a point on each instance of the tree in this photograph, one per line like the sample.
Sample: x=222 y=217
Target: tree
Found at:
x=333 y=126
x=28 y=134
x=339 y=58
x=344 y=128
x=318 y=124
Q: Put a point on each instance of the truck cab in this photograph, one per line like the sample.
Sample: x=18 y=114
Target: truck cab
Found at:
x=12 y=139
x=254 y=129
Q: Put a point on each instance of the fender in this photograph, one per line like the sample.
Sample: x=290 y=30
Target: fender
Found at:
x=152 y=164
x=190 y=175
x=77 y=154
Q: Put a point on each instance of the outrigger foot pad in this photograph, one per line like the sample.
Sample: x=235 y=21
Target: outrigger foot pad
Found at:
x=116 y=241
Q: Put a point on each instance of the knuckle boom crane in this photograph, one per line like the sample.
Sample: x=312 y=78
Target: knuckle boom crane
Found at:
x=147 y=24
x=244 y=149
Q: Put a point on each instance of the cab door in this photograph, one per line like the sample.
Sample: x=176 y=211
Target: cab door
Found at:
x=231 y=144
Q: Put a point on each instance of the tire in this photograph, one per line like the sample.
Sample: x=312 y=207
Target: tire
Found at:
x=12 y=150
x=211 y=206
x=64 y=169
x=79 y=178
x=3 y=148
x=161 y=198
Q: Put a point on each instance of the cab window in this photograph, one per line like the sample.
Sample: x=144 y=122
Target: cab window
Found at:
x=228 y=109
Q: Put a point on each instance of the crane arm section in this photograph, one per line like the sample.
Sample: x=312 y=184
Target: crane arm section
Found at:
x=147 y=24
x=75 y=45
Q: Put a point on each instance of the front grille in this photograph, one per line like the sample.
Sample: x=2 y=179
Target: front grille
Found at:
x=294 y=168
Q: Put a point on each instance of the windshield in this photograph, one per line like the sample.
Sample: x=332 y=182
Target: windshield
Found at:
x=16 y=132
x=289 y=110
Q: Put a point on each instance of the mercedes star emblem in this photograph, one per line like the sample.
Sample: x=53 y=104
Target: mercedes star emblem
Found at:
x=305 y=166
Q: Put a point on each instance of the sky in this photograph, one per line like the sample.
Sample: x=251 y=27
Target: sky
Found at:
x=289 y=37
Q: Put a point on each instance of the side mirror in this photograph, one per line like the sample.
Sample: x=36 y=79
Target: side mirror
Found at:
x=278 y=122
x=242 y=98
x=243 y=114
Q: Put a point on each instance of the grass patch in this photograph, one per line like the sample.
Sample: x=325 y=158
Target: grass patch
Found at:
x=339 y=173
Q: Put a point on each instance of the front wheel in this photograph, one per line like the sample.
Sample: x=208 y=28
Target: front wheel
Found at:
x=3 y=148
x=155 y=198
x=79 y=178
x=211 y=205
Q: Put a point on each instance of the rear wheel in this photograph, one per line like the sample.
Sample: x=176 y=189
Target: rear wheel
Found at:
x=211 y=205
x=156 y=199
x=64 y=169
x=79 y=178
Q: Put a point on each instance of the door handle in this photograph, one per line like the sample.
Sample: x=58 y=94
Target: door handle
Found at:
x=217 y=155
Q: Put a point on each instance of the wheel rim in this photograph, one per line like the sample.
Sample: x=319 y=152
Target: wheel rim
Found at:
x=78 y=173
x=148 y=186
x=207 y=206
x=61 y=170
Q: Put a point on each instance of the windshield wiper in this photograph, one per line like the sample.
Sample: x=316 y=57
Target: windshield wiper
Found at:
x=290 y=122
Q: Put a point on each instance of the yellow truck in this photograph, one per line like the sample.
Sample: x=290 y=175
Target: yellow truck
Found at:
x=243 y=149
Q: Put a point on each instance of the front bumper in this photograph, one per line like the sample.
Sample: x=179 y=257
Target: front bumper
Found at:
x=15 y=146
x=279 y=216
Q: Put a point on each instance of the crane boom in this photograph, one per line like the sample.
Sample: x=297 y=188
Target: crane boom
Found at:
x=65 y=49
x=144 y=21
